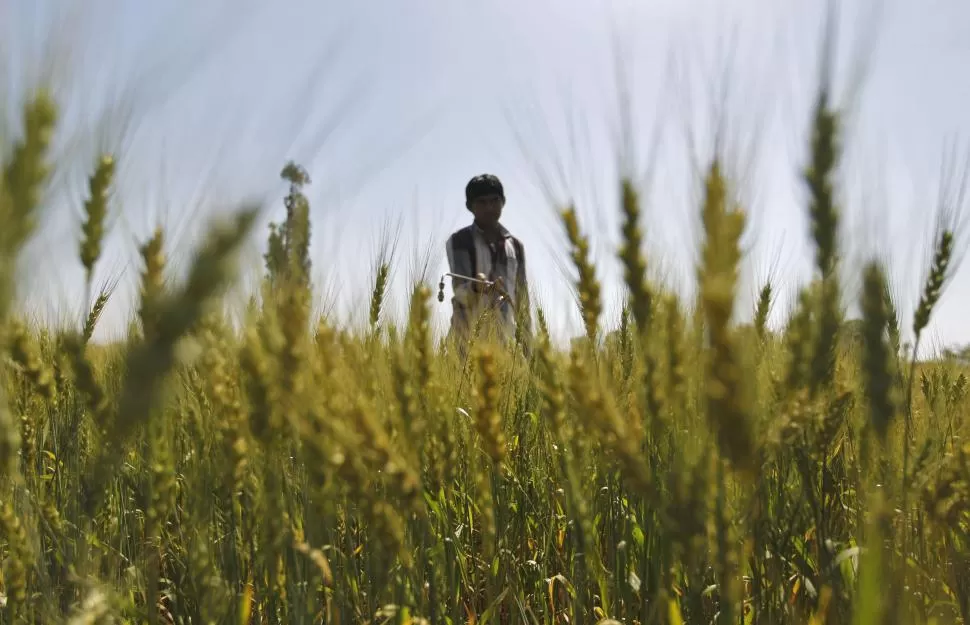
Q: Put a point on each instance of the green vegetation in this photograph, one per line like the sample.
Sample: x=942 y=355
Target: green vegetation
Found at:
x=678 y=469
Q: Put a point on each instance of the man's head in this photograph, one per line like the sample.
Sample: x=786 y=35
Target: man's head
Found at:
x=485 y=198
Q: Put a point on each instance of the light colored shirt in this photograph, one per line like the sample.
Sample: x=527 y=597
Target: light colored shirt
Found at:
x=495 y=260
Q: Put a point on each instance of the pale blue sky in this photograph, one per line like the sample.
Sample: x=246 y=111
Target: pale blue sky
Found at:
x=392 y=106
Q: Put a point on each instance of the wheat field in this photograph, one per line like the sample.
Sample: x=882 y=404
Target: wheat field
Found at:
x=678 y=468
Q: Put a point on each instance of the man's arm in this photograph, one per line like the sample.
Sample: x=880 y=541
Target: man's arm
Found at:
x=459 y=262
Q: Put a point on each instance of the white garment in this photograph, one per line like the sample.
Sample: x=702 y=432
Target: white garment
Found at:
x=488 y=261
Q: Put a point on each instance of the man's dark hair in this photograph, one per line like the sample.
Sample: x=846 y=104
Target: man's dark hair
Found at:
x=482 y=185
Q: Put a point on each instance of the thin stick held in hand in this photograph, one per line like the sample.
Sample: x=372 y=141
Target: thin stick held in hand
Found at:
x=492 y=284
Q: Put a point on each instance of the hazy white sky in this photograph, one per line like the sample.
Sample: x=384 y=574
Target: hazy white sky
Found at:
x=393 y=106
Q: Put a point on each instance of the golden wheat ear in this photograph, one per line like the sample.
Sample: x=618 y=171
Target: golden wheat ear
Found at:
x=727 y=409
x=95 y=213
x=878 y=375
x=587 y=285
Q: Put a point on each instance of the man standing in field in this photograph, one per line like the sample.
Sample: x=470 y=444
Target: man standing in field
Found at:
x=487 y=250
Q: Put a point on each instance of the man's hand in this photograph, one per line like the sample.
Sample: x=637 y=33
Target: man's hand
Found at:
x=500 y=288
x=479 y=287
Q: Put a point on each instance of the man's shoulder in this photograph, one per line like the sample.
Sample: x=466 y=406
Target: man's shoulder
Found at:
x=463 y=233
x=467 y=233
x=517 y=242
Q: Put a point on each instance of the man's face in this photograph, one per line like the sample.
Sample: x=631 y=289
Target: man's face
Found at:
x=488 y=209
